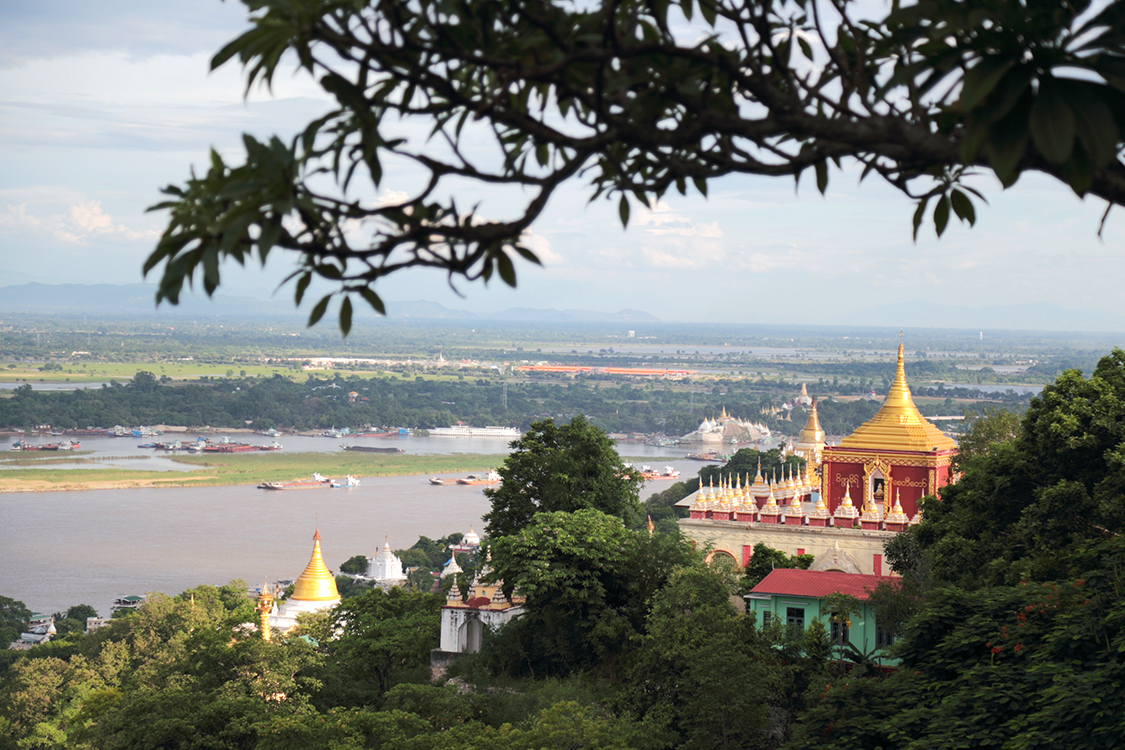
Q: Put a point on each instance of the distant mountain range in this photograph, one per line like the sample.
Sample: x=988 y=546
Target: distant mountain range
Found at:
x=127 y=300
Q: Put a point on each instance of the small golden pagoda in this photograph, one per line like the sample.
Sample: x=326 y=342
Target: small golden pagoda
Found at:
x=316 y=583
x=810 y=443
x=314 y=590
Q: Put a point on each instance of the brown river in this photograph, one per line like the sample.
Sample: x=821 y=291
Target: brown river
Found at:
x=58 y=549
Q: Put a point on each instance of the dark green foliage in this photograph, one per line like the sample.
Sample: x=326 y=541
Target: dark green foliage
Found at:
x=74 y=619
x=355 y=564
x=744 y=463
x=1030 y=665
x=567 y=468
x=13 y=619
x=589 y=582
x=764 y=559
x=384 y=632
x=1024 y=502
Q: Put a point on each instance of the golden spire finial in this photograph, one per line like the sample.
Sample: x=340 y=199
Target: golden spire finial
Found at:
x=264 y=605
x=758 y=476
x=898 y=425
x=650 y=526
x=316 y=583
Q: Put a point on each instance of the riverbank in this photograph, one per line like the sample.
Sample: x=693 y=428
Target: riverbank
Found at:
x=241 y=468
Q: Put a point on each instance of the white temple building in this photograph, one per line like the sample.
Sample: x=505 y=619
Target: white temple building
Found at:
x=386 y=567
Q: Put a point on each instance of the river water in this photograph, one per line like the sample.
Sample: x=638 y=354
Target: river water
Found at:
x=58 y=549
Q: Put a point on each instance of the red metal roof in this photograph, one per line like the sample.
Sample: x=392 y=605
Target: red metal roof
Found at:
x=818 y=583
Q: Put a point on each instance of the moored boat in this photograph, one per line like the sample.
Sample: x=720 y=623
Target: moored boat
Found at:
x=650 y=474
x=709 y=455
x=315 y=482
x=437 y=480
x=371 y=449
x=492 y=477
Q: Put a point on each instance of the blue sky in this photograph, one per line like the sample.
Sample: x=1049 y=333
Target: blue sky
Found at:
x=103 y=103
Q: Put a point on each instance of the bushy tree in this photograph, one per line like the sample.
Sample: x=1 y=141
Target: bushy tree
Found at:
x=561 y=468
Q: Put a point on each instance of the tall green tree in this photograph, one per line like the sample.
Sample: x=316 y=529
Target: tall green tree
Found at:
x=561 y=468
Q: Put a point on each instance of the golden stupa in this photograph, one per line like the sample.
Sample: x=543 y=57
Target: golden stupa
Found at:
x=898 y=425
x=812 y=432
x=317 y=583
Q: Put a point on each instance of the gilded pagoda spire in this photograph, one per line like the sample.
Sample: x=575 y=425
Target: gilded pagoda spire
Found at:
x=264 y=605
x=898 y=425
x=897 y=515
x=316 y=583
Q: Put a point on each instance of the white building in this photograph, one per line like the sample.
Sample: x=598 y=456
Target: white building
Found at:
x=386 y=567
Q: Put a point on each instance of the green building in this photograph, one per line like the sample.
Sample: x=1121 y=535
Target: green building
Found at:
x=796 y=597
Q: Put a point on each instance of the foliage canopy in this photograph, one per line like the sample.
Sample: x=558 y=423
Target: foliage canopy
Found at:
x=636 y=98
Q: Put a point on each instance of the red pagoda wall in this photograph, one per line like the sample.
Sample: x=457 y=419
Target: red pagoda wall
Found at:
x=910 y=481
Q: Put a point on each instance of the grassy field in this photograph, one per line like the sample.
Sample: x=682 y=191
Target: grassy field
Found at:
x=239 y=469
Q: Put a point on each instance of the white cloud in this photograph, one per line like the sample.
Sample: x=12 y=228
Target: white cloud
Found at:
x=74 y=224
x=392 y=198
x=541 y=246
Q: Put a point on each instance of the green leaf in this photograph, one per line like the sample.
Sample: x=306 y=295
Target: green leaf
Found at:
x=806 y=49
x=981 y=79
x=941 y=215
x=346 y=316
x=373 y=299
x=505 y=268
x=302 y=286
x=1007 y=142
x=318 y=311
x=623 y=211
x=1094 y=123
x=919 y=214
x=1052 y=122
x=963 y=207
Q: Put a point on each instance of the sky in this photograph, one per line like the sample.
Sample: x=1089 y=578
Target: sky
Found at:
x=101 y=104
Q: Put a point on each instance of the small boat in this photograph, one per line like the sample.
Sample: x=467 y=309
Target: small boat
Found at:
x=437 y=480
x=650 y=474
x=709 y=455
x=492 y=477
x=316 y=481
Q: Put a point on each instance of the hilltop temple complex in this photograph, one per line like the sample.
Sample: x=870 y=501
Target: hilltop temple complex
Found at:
x=726 y=429
x=867 y=488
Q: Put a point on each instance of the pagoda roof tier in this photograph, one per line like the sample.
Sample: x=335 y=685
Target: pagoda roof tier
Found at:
x=898 y=425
